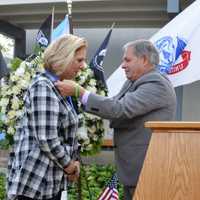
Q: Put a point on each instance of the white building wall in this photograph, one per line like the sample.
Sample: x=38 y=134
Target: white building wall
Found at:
x=191 y=102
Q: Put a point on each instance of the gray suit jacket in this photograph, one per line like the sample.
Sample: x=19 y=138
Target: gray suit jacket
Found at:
x=151 y=97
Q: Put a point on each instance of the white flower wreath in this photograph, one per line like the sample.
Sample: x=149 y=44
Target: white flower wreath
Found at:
x=91 y=130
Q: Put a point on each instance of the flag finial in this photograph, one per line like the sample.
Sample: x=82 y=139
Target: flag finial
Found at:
x=69 y=7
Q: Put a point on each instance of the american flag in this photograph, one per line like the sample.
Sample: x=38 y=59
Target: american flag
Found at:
x=110 y=192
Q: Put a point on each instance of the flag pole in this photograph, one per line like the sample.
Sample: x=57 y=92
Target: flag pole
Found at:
x=69 y=11
x=52 y=22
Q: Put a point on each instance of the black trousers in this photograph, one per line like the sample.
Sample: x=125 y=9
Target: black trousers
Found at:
x=57 y=197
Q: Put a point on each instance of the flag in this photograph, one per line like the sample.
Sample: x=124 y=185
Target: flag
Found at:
x=62 y=28
x=44 y=33
x=178 y=46
x=110 y=192
x=3 y=67
x=97 y=61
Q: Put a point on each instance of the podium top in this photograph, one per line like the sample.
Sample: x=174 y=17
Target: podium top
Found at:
x=184 y=125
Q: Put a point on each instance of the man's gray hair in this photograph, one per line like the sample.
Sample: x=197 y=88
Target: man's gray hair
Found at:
x=144 y=48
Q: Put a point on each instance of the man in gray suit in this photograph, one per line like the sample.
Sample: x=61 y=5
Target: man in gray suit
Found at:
x=146 y=95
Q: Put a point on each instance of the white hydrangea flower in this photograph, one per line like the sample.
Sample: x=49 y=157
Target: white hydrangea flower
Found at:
x=3 y=110
x=24 y=83
x=90 y=116
x=82 y=133
x=80 y=116
x=4 y=102
x=86 y=142
x=95 y=137
x=21 y=69
x=92 y=129
x=16 y=89
x=19 y=113
x=93 y=82
x=4 y=88
x=29 y=64
x=102 y=93
x=15 y=103
x=11 y=130
x=11 y=114
x=89 y=147
x=14 y=78
x=27 y=76
x=89 y=71
x=91 y=89
x=3 y=117
x=82 y=79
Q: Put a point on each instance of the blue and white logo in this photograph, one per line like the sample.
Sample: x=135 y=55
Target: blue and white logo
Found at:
x=41 y=39
x=99 y=59
x=169 y=49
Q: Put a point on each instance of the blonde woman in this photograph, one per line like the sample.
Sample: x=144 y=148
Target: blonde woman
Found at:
x=45 y=144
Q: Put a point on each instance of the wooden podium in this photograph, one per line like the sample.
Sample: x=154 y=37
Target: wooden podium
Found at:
x=171 y=169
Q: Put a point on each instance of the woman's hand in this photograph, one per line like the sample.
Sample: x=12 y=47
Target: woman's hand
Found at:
x=73 y=171
x=68 y=87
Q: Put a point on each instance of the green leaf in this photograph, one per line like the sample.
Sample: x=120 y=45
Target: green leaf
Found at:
x=15 y=63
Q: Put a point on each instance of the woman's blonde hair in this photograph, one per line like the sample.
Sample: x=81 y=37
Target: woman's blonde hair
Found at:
x=61 y=52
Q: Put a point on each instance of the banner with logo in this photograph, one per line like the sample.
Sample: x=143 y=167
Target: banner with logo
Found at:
x=96 y=62
x=178 y=46
x=44 y=32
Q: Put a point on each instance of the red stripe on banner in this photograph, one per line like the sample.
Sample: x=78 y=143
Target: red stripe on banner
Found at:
x=182 y=65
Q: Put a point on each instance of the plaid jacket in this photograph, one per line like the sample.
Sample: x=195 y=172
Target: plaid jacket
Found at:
x=44 y=143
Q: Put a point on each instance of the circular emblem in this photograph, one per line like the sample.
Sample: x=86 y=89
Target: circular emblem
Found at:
x=43 y=41
x=173 y=56
x=99 y=59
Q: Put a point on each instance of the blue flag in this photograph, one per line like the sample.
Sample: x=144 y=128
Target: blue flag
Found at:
x=44 y=33
x=97 y=61
x=62 y=28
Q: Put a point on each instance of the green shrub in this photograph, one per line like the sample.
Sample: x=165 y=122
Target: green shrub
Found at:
x=2 y=186
x=93 y=180
x=94 y=177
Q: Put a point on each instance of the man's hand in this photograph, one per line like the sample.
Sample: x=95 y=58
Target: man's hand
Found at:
x=67 y=88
